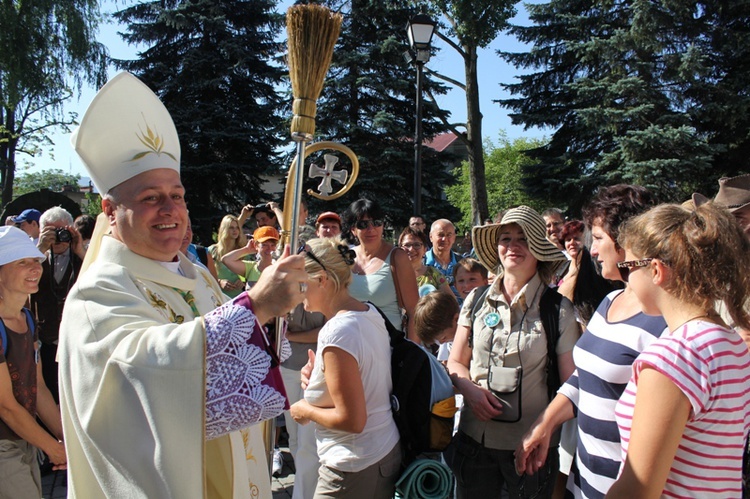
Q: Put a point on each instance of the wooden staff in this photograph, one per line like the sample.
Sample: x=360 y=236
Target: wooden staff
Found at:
x=312 y=31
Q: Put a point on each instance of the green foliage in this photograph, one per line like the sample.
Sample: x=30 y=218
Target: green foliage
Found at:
x=94 y=204
x=476 y=22
x=53 y=180
x=214 y=64
x=504 y=166
x=653 y=93
x=46 y=47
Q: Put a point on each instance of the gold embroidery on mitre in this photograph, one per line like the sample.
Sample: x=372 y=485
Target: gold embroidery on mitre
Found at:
x=153 y=141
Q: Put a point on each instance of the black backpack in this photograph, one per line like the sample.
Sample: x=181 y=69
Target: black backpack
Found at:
x=410 y=400
x=549 y=311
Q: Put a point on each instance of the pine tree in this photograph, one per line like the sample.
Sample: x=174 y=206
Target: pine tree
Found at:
x=212 y=63
x=368 y=104
x=634 y=91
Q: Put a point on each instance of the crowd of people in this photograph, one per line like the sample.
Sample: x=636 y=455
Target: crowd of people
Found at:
x=602 y=357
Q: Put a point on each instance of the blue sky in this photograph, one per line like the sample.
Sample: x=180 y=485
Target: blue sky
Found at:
x=492 y=71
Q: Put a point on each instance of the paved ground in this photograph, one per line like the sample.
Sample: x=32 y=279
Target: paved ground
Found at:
x=55 y=484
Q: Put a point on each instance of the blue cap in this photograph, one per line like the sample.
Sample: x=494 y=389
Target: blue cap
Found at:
x=27 y=215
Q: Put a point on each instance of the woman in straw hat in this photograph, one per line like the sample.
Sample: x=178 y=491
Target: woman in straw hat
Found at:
x=686 y=411
x=500 y=352
x=604 y=355
x=23 y=394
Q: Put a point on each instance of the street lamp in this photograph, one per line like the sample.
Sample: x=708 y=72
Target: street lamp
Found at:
x=419 y=30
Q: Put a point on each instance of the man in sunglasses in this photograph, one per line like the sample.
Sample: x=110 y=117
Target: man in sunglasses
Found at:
x=442 y=256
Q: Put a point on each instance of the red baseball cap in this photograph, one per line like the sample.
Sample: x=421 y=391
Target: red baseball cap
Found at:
x=328 y=215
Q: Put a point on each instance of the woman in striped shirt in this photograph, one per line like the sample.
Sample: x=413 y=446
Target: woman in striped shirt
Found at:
x=685 y=413
x=614 y=337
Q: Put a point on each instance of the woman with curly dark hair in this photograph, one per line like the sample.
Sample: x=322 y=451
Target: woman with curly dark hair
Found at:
x=582 y=284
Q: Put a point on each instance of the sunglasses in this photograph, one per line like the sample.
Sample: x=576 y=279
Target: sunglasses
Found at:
x=366 y=224
x=303 y=249
x=627 y=266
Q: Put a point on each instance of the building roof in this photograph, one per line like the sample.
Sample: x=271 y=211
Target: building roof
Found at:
x=441 y=142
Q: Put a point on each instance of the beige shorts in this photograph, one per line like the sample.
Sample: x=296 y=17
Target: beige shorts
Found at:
x=19 y=470
x=376 y=481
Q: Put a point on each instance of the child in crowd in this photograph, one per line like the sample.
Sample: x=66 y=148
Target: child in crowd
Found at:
x=435 y=322
x=264 y=242
x=469 y=274
x=435 y=318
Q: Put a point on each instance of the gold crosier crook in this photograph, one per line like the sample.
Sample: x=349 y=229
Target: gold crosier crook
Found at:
x=312 y=31
x=326 y=173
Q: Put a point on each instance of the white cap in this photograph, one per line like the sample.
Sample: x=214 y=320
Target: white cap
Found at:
x=16 y=245
x=125 y=131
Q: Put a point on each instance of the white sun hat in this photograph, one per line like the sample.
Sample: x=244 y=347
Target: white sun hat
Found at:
x=125 y=131
x=16 y=245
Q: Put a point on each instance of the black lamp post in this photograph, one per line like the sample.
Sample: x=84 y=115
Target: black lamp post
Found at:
x=420 y=30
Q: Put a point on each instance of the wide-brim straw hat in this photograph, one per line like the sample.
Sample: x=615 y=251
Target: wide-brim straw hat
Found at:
x=485 y=238
x=734 y=192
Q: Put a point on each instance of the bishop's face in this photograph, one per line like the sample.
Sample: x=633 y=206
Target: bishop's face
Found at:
x=148 y=213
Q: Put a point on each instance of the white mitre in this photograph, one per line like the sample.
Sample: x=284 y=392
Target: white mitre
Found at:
x=126 y=131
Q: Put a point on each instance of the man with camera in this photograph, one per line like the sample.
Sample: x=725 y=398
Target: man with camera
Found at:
x=62 y=244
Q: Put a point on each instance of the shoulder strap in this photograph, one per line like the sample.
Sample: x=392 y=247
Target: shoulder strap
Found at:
x=549 y=309
x=4 y=333
x=30 y=320
x=477 y=303
x=395 y=335
x=394 y=274
x=4 y=337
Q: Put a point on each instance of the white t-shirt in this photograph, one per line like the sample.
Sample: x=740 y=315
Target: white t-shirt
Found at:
x=363 y=335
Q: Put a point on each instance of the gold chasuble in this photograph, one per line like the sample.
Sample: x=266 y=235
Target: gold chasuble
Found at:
x=159 y=384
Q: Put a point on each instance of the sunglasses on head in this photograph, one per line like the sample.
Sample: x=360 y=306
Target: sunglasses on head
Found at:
x=308 y=253
x=366 y=224
x=627 y=266
x=347 y=254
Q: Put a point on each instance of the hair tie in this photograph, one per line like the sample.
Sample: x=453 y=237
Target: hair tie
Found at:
x=347 y=254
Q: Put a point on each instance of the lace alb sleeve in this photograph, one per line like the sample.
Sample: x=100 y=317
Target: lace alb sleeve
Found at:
x=243 y=382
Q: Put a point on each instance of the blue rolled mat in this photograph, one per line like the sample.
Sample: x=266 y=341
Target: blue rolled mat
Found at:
x=425 y=479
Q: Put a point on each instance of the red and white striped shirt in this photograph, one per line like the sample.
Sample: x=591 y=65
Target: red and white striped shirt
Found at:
x=711 y=366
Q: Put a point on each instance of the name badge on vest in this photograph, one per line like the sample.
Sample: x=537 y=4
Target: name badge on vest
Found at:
x=492 y=319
